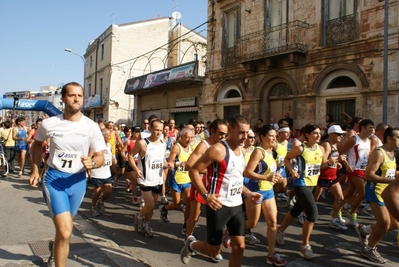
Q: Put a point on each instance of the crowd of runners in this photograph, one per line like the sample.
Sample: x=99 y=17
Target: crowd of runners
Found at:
x=238 y=172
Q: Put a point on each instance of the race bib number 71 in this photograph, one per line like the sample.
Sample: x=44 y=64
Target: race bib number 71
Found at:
x=67 y=161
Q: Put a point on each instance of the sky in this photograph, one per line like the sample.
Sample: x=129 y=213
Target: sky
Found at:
x=34 y=34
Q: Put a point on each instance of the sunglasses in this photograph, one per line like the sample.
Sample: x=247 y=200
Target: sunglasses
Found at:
x=145 y=123
x=251 y=137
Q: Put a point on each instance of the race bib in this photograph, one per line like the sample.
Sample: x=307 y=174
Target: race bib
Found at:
x=156 y=164
x=390 y=174
x=363 y=166
x=280 y=160
x=67 y=161
x=107 y=160
x=234 y=189
x=312 y=170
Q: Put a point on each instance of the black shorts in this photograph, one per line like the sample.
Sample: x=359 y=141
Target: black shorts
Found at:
x=99 y=182
x=120 y=162
x=155 y=189
x=326 y=183
x=232 y=217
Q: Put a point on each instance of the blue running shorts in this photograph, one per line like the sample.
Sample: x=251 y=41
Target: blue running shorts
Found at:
x=63 y=191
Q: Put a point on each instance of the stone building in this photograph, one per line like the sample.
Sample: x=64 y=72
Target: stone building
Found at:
x=119 y=53
x=307 y=58
x=174 y=90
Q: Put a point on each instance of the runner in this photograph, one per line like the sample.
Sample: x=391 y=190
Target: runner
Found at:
x=358 y=148
x=149 y=171
x=261 y=170
x=71 y=136
x=179 y=183
x=101 y=178
x=225 y=163
x=19 y=135
x=380 y=171
x=310 y=159
x=328 y=179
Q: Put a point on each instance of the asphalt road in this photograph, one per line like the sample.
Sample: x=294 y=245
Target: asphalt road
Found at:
x=331 y=247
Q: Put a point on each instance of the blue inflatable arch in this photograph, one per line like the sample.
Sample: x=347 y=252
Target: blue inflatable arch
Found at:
x=30 y=105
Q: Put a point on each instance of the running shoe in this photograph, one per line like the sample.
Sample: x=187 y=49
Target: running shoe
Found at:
x=341 y=219
x=164 y=200
x=373 y=255
x=302 y=218
x=185 y=253
x=94 y=211
x=282 y=196
x=50 y=261
x=280 y=238
x=336 y=224
x=163 y=213
x=251 y=239
x=275 y=260
x=363 y=204
x=362 y=235
x=290 y=203
x=100 y=206
x=135 y=200
x=20 y=173
x=226 y=238
x=352 y=217
x=147 y=231
x=218 y=258
x=306 y=251
x=115 y=183
x=367 y=209
x=138 y=223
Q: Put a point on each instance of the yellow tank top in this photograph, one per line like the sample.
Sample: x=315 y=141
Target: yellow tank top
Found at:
x=181 y=176
x=281 y=151
x=248 y=153
x=310 y=162
x=266 y=166
x=112 y=142
x=386 y=170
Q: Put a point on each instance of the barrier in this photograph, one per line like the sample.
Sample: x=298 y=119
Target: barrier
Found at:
x=30 y=105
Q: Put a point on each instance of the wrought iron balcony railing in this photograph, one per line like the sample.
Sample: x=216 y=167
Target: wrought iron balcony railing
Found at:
x=340 y=30
x=281 y=39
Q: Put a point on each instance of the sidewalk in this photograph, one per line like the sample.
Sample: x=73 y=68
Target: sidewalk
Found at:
x=26 y=229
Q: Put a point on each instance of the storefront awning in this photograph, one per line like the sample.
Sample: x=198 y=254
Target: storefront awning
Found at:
x=179 y=110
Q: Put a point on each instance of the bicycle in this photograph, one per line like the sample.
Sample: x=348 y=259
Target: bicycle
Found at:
x=3 y=163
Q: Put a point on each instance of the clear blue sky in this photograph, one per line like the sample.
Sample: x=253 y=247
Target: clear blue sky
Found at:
x=34 y=34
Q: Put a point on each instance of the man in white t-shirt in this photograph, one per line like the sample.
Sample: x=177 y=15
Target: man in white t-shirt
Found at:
x=71 y=136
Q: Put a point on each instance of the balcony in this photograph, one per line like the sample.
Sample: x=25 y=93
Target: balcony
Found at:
x=340 y=30
x=278 y=40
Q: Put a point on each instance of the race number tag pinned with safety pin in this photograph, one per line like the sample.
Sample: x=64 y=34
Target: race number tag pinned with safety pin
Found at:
x=67 y=161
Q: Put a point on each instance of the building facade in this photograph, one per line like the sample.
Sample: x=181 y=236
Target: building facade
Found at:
x=173 y=91
x=307 y=58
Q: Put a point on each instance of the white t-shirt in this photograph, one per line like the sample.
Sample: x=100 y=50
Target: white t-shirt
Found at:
x=70 y=140
x=104 y=172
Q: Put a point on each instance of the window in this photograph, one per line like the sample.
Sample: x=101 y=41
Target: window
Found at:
x=101 y=87
x=276 y=13
x=231 y=31
x=89 y=94
x=102 y=51
x=339 y=21
x=337 y=107
x=341 y=82
x=91 y=61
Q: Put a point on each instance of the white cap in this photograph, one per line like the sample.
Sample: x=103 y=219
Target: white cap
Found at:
x=123 y=125
x=335 y=129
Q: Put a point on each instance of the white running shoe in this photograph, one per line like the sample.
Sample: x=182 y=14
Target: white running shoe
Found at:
x=306 y=251
x=336 y=224
x=280 y=238
x=251 y=239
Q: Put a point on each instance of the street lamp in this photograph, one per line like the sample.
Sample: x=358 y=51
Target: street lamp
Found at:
x=84 y=66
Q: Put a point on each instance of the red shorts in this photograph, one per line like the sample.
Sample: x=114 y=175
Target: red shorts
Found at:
x=357 y=173
x=195 y=195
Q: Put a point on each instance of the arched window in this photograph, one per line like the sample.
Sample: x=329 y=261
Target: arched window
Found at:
x=232 y=94
x=340 y=82
x=280 y=90
x=230 y=101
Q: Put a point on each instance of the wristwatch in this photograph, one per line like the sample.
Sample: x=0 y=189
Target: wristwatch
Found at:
x=205 y=196
x=94 y=164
